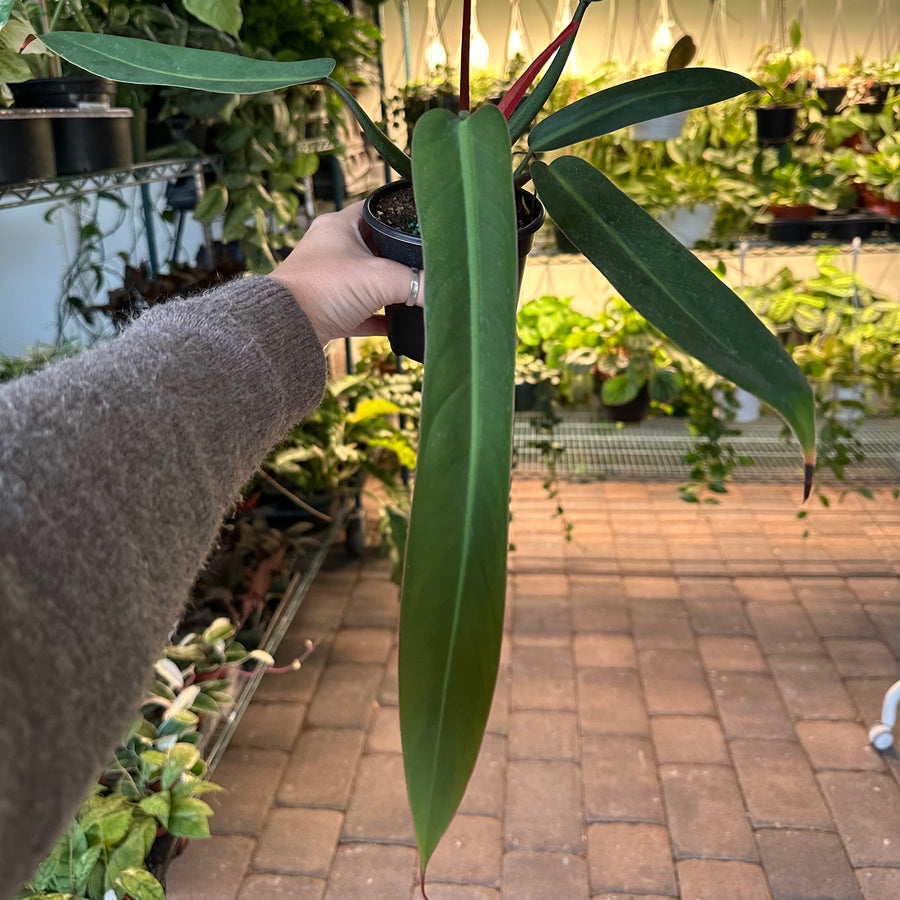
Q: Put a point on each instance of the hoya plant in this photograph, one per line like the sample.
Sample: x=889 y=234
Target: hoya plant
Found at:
x=464 y=177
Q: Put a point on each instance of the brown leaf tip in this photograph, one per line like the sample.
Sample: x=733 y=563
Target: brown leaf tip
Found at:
x=809 y=470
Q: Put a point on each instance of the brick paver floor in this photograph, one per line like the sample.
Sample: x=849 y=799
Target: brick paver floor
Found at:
x=682 y=712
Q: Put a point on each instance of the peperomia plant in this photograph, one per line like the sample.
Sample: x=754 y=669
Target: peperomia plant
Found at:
x=464 y=178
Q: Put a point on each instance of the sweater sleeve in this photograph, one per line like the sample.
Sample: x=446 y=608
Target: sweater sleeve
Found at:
x=116 y=468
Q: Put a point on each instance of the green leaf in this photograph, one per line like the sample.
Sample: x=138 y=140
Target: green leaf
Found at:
x=454 y=586
x=618 y=390
x=218 y=630
x=181 y=758
x=136 y=61
x=674 y=291
x=5 y=9
x=224 y=15
x=189 y=818
x=157 y=805
x=212 y=204
x=139 y=884
x=636 y=101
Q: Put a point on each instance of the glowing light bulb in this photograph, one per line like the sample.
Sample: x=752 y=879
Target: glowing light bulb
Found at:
x=516 y=46
x=560 y=21
x=435 y=55
x=479 y=52
x=662 y=39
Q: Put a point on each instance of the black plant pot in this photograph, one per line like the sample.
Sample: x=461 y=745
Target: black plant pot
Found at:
x=634 y=410
x=832 y=97
x=775 y=125
x=92 y=140
x=791 y=231
x=877 y=96
x=26 y=145
x=70 y=92
x=406 y=324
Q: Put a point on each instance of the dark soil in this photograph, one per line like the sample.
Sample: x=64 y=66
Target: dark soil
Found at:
x=398 y=210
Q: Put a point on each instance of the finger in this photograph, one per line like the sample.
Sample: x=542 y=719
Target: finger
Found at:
x=399 y=284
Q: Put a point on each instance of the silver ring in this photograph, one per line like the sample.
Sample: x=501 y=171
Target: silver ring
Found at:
x=413 y=288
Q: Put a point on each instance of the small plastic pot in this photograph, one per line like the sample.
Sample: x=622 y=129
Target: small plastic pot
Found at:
x=64 y=93
x=92 y=140
x=832 y=96
x=406 y=324
x=26 y=145
x=775 y=125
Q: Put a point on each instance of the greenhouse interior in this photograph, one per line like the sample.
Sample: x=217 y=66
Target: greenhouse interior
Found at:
x=313 y=629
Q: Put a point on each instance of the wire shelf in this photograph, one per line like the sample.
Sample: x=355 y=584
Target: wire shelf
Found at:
x=29 y=192
x=593 y=449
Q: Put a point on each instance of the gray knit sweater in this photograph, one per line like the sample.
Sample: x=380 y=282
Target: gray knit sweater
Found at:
x=116 y=468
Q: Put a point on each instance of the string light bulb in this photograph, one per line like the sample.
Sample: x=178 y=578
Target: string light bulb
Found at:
x=560 y=21
x=435 y=52
x=662 y=37
x=479 y=52
x=515 y=46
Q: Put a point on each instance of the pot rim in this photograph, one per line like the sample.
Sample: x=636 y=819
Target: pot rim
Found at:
x=538 y=210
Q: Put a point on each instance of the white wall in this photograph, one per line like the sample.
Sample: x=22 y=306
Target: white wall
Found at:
x=35 y=254
x=626 y=24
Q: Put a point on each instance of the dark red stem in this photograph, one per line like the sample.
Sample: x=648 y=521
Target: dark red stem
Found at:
x=464 y=57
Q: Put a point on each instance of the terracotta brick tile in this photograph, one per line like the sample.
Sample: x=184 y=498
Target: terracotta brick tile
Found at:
x=373 y=604
x=866 y=810
x=460 y=892
x=597 y=560
x=250 y=778
x=688 y=739
x=543 y=734
x=886 y=617
x=823 y=590
x=674 y=682
x=789 y=857
x=706 y=813
x=384 y=735
x=868 y=697
x=498 y=719
x=322 y=768
x=778 y=785
x=487 y=787
x=469 y=853
x=718 y=617
x=298 y=842
x=731 y=654
x=838 y=745
x=749 y=706
x=322 y=609
x=717 y=590
x=378 y=810
x=544 y=807
x=764 y=589
x=610 y=701
x=281 y=887
x=783 y=628
x=294 y=687
x=620 y=783
x=371 y=871
x=210 y=869
x=599 y=615
x=615 y=650
x=875 y=590
x=704 y=879
x=269 y=726
x=362 y=645
x=625 y=859
x=839 y=619
x=811 y=687
x=661 y=626
x=389 y=694
x=346 y=695
x=879 y=884
x=542 y=678
x=541 y=615
x=655 y=589
x=856 y=657
x=538 y=876
x=541 y=585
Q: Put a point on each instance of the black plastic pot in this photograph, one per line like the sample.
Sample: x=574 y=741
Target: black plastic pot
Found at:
x=26 y=145
x=832 y=97
x=877 y=96
x=406 y=324
x=775 y=125
x=634 y=411
x=92 y=140
x=70 y=92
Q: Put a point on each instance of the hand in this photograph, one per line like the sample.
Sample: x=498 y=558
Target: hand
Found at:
x=339 y=282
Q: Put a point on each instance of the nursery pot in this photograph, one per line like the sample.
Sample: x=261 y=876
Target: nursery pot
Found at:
x=663 y=128
x=26 y=145
x=406 y=324
x=832 y=97
x=634 y=410
x=792 y=224
x=775 y=125
x=70 y=92
x=91 y=140
x=688 y=226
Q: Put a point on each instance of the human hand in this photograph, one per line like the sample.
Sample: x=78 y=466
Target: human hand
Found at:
x=339 y=282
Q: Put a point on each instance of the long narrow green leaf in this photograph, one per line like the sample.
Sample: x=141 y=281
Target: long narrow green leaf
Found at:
x=454 y=582
x=136 y=61
x=676 y=292
x=636 y=101
x=386 y=148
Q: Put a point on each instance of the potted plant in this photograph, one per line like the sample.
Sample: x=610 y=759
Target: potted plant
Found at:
x=455 y=567
x=880 y=174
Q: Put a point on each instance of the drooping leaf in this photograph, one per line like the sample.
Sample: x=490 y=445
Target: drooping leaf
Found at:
x=224 y=15
x=674 y=291
x=454 y=582
x=135 y=61
x=140 y=884
x=636 y=101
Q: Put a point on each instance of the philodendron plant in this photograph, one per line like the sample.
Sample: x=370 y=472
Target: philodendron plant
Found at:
x=463 y=174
